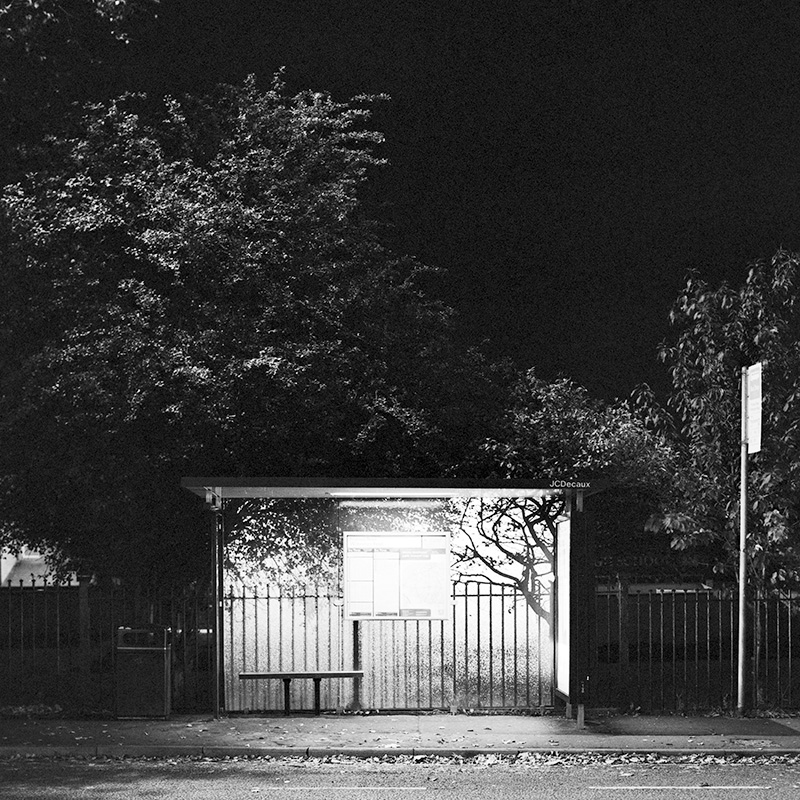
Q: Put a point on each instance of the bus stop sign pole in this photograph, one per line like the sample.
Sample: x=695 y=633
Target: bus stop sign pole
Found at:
x=742 y=551
x=751 y=443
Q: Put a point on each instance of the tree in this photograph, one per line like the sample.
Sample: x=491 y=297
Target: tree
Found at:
x=200 y=292
x=286 y=542
x=53 y=54
x=295 y=542
x=717 y=332
x=24 y=20
x=555 y=431
x=509 y=541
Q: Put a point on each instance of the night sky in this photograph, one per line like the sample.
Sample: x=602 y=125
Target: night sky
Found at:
x=565 y=161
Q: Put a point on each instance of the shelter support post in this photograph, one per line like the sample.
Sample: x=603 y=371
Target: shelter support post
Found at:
x=218 y=536
x=582 y=629
x=356 y=704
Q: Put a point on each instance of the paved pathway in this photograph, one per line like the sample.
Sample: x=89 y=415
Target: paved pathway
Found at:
x=371 y=735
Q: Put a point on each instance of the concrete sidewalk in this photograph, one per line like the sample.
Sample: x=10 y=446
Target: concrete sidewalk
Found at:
x=377 y=735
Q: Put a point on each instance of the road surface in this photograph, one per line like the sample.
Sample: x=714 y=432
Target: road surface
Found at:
x=286 y=780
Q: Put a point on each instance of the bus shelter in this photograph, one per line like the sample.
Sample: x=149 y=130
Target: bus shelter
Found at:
x=373 y=571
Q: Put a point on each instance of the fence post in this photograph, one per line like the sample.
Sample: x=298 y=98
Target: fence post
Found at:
x=356 y=704
x=622 y=606
x=84 y=638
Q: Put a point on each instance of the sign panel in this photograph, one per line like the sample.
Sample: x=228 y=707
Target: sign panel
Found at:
x=396 y=575
x=562 y=610
x=754 y=408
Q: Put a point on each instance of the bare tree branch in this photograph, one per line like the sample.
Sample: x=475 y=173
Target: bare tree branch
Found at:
x=518 y=532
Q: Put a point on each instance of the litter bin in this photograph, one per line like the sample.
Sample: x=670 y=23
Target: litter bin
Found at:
x=143 y=686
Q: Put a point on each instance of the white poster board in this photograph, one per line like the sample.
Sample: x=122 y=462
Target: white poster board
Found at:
x=397 y=575
x=562 y=624
x=754 y=408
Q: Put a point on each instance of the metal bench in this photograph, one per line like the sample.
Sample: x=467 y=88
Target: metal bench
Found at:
x=287 y=677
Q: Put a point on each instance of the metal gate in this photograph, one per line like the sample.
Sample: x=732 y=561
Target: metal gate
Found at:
x=494 y=653
x=57 y=643
x=675 y=650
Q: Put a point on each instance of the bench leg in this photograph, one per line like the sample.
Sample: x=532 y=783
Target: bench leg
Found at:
x=317 y=682
x=287 y=706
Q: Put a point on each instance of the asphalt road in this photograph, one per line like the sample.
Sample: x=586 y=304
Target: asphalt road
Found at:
x=233 y=780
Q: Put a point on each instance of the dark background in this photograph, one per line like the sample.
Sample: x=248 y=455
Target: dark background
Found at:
x=565 y=162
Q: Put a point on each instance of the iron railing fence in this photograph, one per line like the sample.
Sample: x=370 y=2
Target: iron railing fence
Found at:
x=676 y=650
x=495 y=652
x=656 y=650
x=57 y=643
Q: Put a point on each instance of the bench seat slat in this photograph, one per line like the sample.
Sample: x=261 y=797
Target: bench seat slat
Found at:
x=320 y=674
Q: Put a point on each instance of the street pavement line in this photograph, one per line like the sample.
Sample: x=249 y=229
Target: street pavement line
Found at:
x=350 y=788
x=672 y=788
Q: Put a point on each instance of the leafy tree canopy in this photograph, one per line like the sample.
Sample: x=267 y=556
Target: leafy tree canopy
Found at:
x=295 y=542
x=200 y=292
x=548 y=431
x=556 y=431
x=25 y=21
x=52 y=54
x=717 y=332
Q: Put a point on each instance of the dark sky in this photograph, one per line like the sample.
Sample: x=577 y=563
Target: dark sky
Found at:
x=566 y=161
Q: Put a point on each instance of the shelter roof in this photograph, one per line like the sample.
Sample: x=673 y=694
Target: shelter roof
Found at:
x=226 y=487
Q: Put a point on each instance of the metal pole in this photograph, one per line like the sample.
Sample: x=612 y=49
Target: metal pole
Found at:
x=216 y=518
x=356 y=704
x=742 y=549
x=215 y=606
x=221 y=608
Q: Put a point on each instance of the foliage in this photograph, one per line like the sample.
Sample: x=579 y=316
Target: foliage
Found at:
x=719 y=331
x=53 y=54
x=298 y=541
x=557 y=432
x=508 y=541
x=24 y=21
x=200 y=292
x=283 y=542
